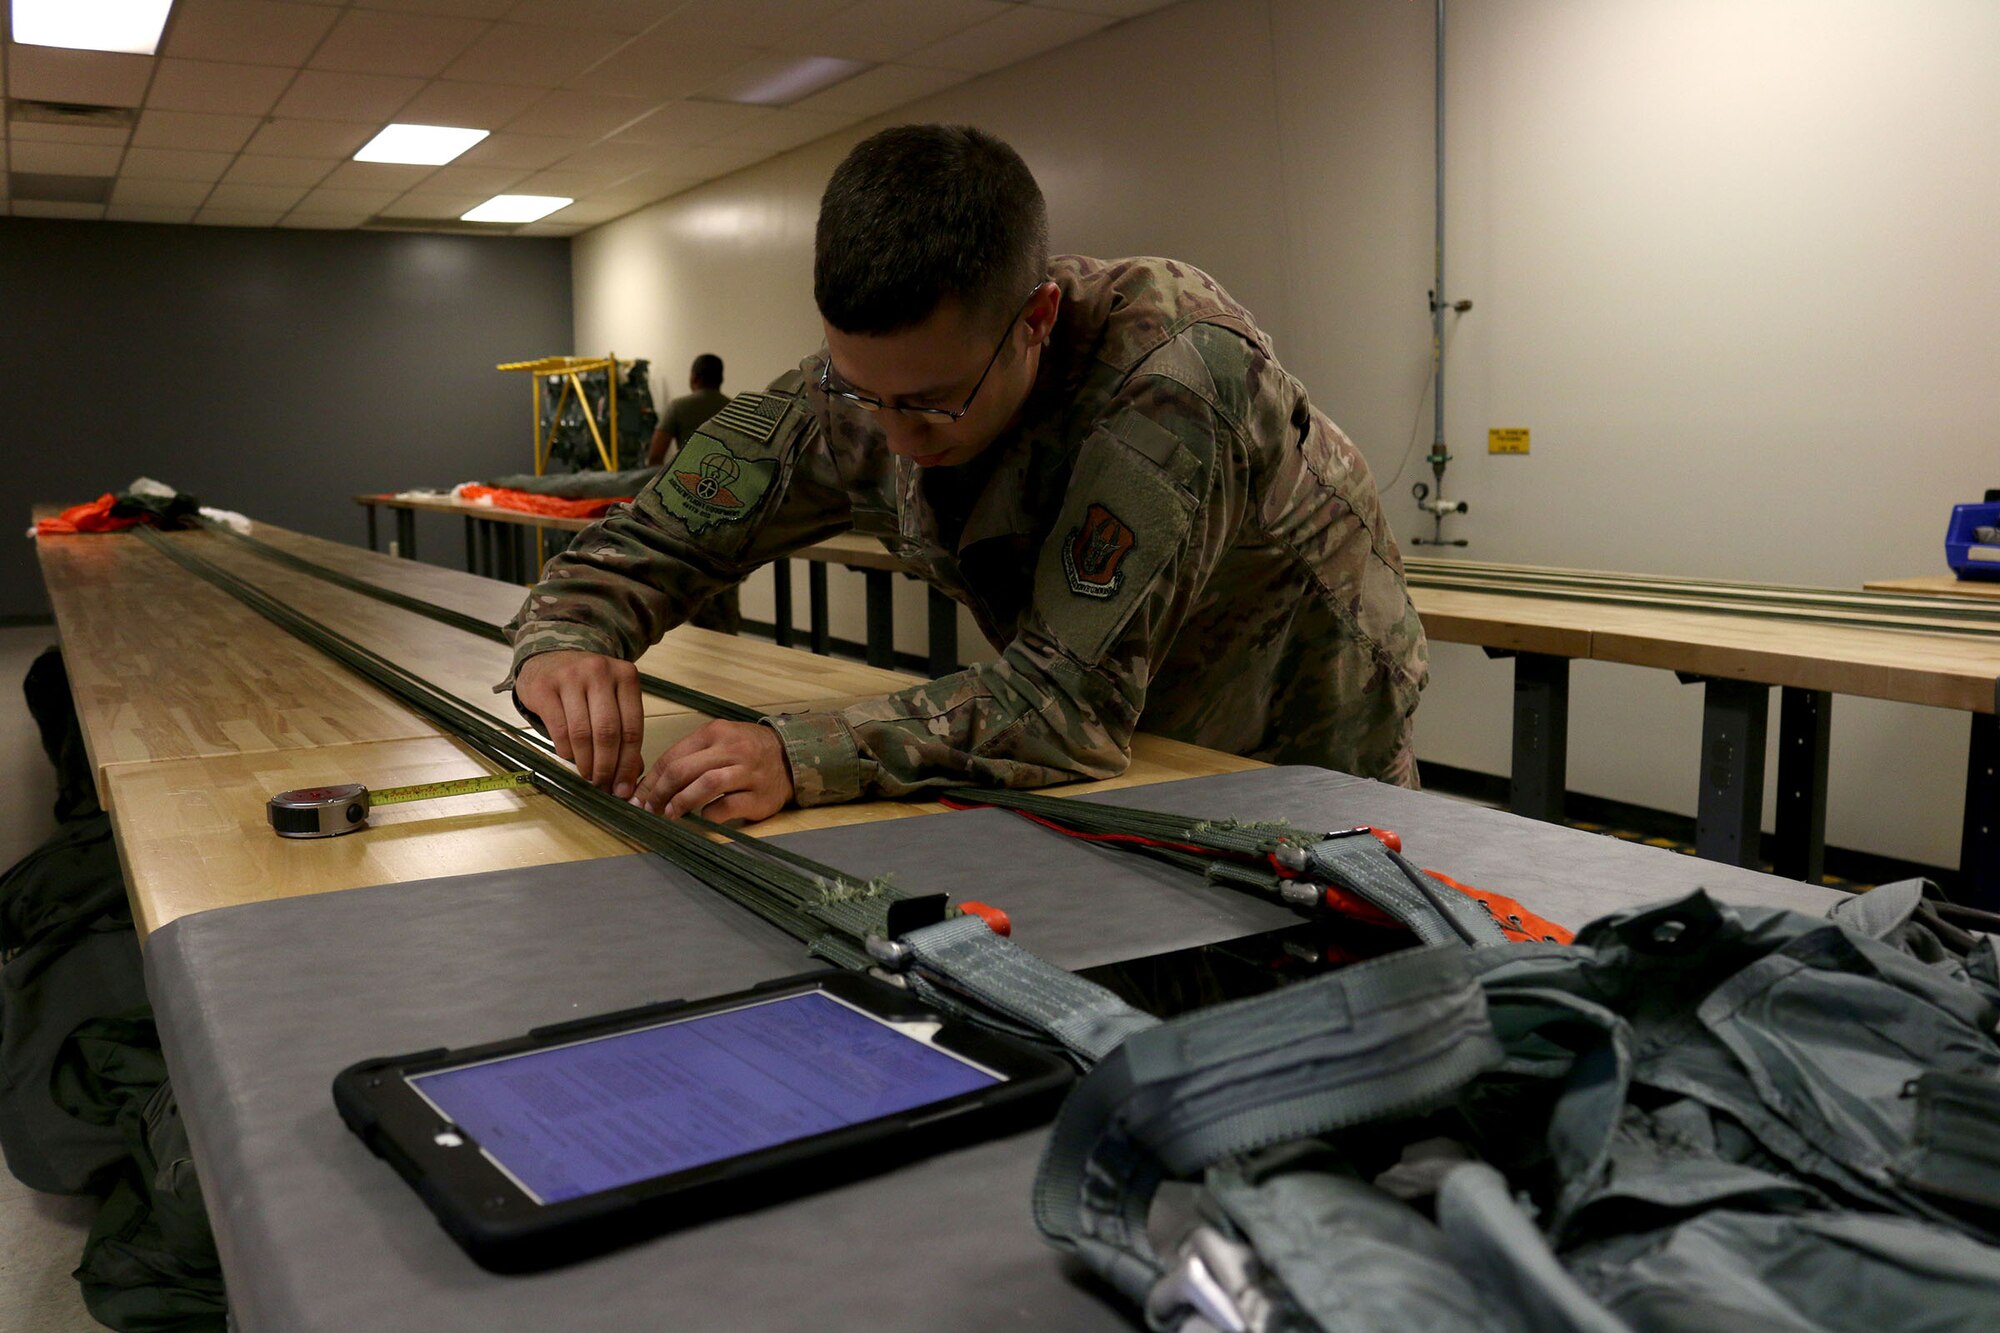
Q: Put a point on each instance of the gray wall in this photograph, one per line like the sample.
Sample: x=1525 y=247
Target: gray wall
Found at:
x=273 y=372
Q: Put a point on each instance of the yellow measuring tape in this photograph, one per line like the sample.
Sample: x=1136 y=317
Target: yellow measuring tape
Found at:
x=328 y=812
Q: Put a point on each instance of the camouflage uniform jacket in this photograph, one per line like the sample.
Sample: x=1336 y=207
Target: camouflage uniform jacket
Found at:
x=1170 y=528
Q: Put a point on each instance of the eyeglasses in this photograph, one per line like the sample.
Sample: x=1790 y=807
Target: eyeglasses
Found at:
x=935 y=415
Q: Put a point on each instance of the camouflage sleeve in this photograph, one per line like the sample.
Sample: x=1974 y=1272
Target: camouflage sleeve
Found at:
x=1144 y=519
x=752 y=483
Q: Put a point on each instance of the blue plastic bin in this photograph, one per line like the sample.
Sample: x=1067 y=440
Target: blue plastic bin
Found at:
x=1971 y=558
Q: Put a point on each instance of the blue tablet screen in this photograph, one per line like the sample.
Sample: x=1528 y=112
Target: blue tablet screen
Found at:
x=609 y=1111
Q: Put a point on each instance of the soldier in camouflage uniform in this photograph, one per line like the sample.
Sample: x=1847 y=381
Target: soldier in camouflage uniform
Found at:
x=1146 y=517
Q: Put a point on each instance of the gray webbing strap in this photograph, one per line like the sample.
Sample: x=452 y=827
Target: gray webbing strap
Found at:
x=1390 y=1037
x=1363 y=866
x=965 y=954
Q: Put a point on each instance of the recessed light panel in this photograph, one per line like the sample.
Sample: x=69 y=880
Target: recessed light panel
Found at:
x=419 y=145
x=516 y=208
x=786 y=82
x=131 y=26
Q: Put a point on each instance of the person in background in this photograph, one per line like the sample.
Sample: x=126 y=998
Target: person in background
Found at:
x=685 y=414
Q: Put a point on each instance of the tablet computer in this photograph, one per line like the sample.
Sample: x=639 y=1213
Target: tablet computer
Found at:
x=577 y=1138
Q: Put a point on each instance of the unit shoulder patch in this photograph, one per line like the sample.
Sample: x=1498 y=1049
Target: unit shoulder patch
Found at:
x=1093 y=552
x=708 y=484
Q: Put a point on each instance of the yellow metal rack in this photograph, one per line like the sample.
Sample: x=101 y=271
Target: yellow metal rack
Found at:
x=571 y=370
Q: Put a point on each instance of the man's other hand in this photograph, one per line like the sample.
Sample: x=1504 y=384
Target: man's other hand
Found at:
x=725 y=770
x=591 y=707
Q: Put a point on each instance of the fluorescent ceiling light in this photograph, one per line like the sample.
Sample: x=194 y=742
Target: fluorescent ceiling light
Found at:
x=419 y=145
x=92 y=25
x=781 y=82
x=516 y=208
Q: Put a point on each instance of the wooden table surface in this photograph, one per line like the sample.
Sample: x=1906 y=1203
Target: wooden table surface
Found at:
x=1939 y=585
x=196 y=710
x=193 y=834
x=1936 y=669
x=164 y=666
x=445 y=504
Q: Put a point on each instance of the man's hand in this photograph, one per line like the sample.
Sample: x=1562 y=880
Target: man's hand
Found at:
x=725 y=770
x=591 y=707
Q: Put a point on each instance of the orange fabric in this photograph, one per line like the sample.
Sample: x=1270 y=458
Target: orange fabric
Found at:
x=1516 y=922
x=528 y=502
x=92 y=517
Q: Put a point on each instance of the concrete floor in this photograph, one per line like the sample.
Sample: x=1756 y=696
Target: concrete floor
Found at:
x=41 y=1235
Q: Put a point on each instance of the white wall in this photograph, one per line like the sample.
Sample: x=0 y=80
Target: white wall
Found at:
x=1731 y=259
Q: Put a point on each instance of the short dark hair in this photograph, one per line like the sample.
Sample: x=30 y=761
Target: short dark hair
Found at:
x=919 y=214
x=707 y=371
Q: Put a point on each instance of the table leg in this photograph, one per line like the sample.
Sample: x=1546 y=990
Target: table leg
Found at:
x=781 y=602
x=881 y=617
x=471 y=543
x=1540 y=778
x=1979 y=849
x=371 y=525
x=1735 y=717
x=406 y=533
x=822 y=632
x=1805 y=729
x=485 y=548
x=944 y=634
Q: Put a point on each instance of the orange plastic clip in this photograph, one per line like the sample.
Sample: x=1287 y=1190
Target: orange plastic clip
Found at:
x=995 y=919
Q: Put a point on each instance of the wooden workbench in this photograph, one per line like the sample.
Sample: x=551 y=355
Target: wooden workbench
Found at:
x=195 y=710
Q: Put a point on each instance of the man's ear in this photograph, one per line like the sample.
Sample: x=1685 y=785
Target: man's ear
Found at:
x=1041 y=316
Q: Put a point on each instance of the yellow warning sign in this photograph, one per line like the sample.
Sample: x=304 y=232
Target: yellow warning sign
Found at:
x=1509 y=440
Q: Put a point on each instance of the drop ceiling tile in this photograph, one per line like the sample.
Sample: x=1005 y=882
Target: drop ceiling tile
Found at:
x=1021 y=32
x=192 y=129
x=212 y=85
x=255 y=197
x=173 y=164
x=37 y=208
x=618 y=159
x=436 y=206
x=147 y=213
x=319 y=94
x=323 y=221
x=550 y=229
x=579 y=115
x=360 y=203
x=883 y=88
x=620 y=16
x=310 y=138
x=1118 y=9
x=651 y=186
x=160 y=194
x=568 y=184
x=66 y=159
x=717 y=160
x=464 y=9
x=254 y=169
x=526 y=151
x=483 y=181
x=478 y=106
x=592 y=212
x=683 y=123
x=532 y=57
x=886 y=29
x=366 y=41
x=657 y=66
x=57 y=74
x=748 y=22
x=788 y=127
x=376 y=176
x=239 y=217
x=250 y=31
x=95 y=136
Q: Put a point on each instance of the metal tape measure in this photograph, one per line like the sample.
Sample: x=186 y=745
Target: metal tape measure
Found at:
x=328 y=812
